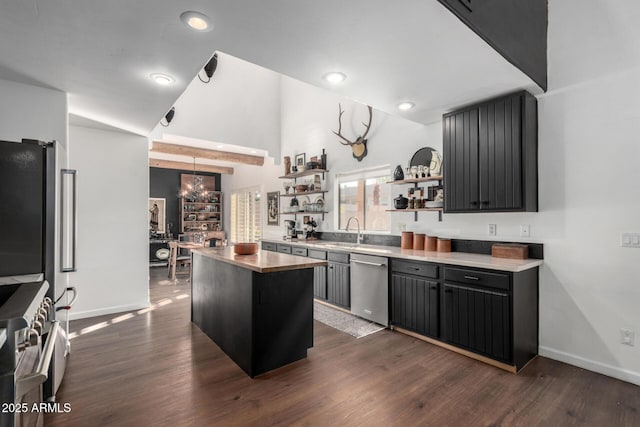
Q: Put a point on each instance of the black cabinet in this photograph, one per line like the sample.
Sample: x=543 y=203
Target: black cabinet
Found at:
x=415 y=304
x=478 y=320
x=490 y=156
x=491 y=313
x=319 y=275
x=339 y=280
x=269 y=246
x=415 y=297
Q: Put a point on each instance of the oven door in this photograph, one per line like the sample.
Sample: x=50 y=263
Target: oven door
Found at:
x=31 y=373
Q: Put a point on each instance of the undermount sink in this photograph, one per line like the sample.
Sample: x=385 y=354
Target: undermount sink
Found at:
x=354 y=246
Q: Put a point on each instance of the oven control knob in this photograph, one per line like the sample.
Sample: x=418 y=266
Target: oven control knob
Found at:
x=37 y=326
x=34 y=337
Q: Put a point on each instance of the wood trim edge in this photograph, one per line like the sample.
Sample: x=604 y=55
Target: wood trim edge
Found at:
x=495 y=363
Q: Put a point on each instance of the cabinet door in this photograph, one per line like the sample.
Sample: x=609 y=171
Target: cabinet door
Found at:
x=460 y=141
x=500 y=154
x=338 y=284
x=478 y=320
x=414 y=304
x=320 y=282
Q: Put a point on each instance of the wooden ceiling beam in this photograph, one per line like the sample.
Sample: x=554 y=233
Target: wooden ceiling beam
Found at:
x=203 y=153
x=170 y=164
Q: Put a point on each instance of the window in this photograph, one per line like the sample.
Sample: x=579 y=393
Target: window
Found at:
x=365 y=195
x=245 y=215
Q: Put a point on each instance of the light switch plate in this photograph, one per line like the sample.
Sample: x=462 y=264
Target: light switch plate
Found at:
x=525 y=230
x=630 y=240
x=492 y=229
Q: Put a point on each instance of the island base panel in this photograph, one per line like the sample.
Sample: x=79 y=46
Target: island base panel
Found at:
x=262 y=321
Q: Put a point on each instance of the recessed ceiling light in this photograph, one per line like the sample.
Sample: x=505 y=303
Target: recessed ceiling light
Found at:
x=335 y=77
x=197 y=21
x=162 y=79
x=406 y=106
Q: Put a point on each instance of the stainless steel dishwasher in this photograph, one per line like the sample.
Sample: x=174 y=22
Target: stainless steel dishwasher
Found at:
x=370 y=288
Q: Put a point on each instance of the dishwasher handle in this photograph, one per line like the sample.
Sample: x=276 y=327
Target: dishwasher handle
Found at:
x=356 y=261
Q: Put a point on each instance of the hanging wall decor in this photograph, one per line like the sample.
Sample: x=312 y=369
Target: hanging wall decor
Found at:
x=359 y=146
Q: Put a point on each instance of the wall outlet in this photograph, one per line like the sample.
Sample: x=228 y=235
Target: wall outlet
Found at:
x=630 y=240
x=492 y=229
x=627 y=337
x=525 y=230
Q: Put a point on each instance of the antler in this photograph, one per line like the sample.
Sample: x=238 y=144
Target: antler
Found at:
x=360 y=138
x=364 y=135
x=339 y=133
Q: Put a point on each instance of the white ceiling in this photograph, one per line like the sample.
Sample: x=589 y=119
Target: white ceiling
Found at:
x=102 y=52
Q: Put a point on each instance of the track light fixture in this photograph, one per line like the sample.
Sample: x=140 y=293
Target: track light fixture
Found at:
x=168 y=117
x=210 y=68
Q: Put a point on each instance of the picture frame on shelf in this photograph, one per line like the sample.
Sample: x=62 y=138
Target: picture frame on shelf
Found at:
x=300 y=160
x=273 y=208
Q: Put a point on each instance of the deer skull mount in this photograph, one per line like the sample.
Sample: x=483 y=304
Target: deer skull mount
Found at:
x=359 y=146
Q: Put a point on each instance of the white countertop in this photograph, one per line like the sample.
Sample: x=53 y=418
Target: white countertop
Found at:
x=453 y=258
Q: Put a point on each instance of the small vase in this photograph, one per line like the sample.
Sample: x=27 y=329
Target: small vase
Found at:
x=398 y=174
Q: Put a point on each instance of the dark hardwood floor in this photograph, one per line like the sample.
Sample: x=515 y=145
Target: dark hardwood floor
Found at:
x=154 y=368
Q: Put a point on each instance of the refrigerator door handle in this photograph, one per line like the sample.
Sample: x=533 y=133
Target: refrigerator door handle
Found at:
x=68 y=220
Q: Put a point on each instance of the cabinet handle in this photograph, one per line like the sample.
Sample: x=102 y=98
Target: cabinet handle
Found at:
x=485 y=202
x=448 y=291
x=474 y=203
x=434 y=286
x=331 y=267
x=472 y=277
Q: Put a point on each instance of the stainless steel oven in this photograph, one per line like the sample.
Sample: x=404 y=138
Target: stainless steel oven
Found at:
x=26 y=316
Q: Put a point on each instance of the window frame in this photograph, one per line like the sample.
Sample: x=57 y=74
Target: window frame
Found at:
x=256 y=228
x=371 y=172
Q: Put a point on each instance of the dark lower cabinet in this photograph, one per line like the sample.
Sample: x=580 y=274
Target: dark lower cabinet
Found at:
x=338 y=284
x=320 y=282
x=415 y=304
x=479 y=320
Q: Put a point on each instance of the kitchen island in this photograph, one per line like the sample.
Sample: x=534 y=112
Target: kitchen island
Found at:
x=257 y=308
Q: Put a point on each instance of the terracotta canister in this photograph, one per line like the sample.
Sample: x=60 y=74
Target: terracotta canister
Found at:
x=444 y=245
x=406 y=242
x=431 y=244
x=418 y=241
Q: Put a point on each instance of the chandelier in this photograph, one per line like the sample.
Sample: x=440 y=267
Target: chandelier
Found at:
x=195 y=192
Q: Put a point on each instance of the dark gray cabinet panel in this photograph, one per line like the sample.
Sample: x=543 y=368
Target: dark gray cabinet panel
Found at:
x=490 y=153
x=478 y=320
x=269 y=246
x=415 y=304
x=320 y=282
x=516 y=29
x=285 y=249
x=460 y=133
x=338 y=284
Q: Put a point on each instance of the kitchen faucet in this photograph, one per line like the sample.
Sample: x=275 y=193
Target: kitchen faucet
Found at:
x=359 y=236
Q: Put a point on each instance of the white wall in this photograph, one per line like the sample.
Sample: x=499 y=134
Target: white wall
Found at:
x=588 y=190
x=37 y=113
x=240 y=106
x=113 y=191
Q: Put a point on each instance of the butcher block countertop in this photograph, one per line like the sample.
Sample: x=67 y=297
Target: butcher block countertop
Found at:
x=452 y=258
x=261 y=262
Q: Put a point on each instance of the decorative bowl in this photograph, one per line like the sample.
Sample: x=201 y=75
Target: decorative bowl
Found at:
x=301 y=188
x=201 y=217
x=245 y=248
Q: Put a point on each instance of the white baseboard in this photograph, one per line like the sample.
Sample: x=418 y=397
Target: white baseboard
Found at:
x=591 y=365
x=107 y=310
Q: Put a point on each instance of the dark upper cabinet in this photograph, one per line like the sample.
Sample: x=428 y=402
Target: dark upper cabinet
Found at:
x=490 y=156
